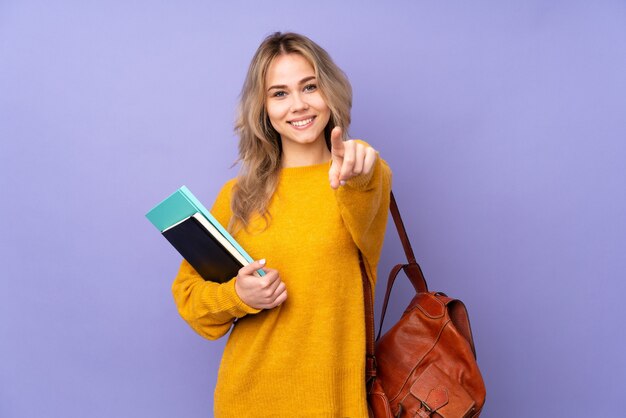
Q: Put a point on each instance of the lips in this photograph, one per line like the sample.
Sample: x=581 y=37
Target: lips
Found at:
x=302 y=123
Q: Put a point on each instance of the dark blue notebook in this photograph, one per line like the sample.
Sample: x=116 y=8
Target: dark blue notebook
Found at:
x=202 y=250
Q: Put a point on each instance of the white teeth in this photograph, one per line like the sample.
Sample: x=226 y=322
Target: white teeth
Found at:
x=301 y=122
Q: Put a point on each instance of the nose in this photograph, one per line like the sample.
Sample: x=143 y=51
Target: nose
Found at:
x=298 y=102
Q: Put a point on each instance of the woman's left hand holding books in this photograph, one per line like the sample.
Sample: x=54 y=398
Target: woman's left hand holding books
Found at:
x=265 y=292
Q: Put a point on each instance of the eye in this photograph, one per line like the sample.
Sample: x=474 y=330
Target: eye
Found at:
x=310 y=88
x=279 y=93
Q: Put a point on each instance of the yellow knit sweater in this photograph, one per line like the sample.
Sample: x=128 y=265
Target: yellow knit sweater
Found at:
x=305 y=358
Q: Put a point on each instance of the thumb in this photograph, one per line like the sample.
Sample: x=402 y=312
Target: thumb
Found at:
x=252 y=267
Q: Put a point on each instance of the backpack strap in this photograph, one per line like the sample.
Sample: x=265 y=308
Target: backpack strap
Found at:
x=412 y=269
x=368 y=298
x=413 y=272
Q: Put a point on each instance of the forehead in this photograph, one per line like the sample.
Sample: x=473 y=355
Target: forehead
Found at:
x=288 y=69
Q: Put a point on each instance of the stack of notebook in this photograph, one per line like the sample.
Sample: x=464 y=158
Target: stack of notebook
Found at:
x=199 y=237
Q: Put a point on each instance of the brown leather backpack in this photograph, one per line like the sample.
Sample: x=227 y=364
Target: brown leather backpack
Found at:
x=425 y=365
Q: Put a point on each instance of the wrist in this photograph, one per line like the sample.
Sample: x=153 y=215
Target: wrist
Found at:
x=240 y=299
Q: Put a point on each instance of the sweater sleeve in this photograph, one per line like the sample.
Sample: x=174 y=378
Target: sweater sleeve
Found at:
x=208 y=307
x=364 y=206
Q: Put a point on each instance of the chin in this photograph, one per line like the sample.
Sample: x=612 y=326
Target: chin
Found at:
x=305 y=138
x=306 y=141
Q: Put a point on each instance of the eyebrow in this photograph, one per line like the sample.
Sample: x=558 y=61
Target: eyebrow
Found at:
x=284 y=86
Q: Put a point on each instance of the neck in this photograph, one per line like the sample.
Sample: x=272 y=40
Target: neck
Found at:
x=299 y=155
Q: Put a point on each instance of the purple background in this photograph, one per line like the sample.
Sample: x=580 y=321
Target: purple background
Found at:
x=504 y=123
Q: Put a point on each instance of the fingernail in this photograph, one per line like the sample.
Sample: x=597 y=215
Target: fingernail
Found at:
x=262 y=261
x=342 y=182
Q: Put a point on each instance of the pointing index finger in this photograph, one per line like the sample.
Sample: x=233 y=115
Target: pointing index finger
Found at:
x=336 y=140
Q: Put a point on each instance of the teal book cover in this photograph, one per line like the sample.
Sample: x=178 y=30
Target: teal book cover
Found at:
x=182 y=204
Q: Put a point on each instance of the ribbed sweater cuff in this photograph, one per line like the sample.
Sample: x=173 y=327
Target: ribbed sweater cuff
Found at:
x=361 y=181
x=228 y=298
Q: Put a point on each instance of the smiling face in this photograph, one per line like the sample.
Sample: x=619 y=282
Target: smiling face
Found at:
x=294 y=103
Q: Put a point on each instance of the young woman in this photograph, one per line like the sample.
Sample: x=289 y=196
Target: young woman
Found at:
x=308 y=205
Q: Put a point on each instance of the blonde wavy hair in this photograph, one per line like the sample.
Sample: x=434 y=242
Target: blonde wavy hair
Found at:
x=260 y=149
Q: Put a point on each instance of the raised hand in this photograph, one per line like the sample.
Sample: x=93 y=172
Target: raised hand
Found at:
x=349 y=159
x=260 y=292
